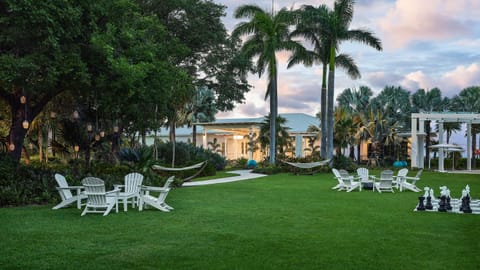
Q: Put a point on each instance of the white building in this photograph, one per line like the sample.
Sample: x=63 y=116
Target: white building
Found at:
x=233 y=135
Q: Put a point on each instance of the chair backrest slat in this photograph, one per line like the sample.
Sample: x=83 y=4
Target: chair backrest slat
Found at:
x=62 y=183
x=95 y=190
x=133 y=182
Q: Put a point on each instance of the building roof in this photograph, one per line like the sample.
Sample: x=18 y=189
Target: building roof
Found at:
x=297 y=122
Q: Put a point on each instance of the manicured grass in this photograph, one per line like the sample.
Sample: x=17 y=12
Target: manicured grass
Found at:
x=275 y=222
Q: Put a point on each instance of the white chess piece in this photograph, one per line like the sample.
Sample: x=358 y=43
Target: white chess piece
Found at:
x=464 y=193
x=431 y=193
x=447 y=193
x=427 y=189
x=443 y=190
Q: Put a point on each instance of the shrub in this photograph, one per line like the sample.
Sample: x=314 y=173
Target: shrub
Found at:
x=343 y=162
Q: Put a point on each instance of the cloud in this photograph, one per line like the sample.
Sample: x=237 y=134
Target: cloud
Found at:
x=450 y=82
x=412 y=20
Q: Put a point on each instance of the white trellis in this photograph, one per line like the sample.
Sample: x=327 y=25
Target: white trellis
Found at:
x=418 y=135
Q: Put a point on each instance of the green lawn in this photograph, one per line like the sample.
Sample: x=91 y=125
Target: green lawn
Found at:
x=275 y=222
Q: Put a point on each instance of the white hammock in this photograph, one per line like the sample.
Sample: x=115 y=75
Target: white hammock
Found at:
x=200 y=166
x=308 y=166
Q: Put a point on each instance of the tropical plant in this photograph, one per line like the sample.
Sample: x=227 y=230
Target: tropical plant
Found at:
x=310 y=28
x=214 y=146
x=336 y=25
x=267 y=34
x=283 y=138
x=468 y=100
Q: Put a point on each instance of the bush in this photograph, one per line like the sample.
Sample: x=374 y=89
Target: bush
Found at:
x=269 y=170
x=343 y=162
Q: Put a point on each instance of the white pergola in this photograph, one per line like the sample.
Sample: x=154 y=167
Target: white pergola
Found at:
x=418 y=135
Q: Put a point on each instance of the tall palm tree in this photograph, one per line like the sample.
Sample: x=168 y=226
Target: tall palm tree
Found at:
x=310 y=28
x=337 y=24
x=468 y=100
x=267 y=34
x=428 y=101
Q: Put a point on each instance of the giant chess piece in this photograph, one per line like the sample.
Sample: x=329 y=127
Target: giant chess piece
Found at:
x=442 y=203
x=449 y=205
x=421 y=206
x=429 y=205
x=466 y=205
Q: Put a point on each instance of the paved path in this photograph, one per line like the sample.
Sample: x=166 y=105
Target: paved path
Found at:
x=243 y=175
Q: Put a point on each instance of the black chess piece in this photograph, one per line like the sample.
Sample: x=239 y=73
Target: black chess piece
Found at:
x=466 y=205
x=429 y=205
x=442 y=203
x=449 y=205
x=421 y=206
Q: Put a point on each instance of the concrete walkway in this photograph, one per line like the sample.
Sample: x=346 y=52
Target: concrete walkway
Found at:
x=243 y=175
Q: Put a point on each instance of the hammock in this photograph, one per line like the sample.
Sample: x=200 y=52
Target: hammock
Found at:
x=200 y=166
x=307 y=166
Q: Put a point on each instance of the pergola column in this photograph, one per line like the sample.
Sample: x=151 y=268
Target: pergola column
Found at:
x=469 y=146
x=298 y=145
x=205 y=142
x=441 y=156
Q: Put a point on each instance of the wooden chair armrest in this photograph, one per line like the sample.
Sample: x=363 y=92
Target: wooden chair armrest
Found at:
x=412 y=178
x=150 y=188
x=115 y=190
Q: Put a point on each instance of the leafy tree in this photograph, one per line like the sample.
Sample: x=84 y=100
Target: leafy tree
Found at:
x=213 y=58
x=267 y=34
x=336 y=25
x=215 y=146
x=310 y=28
x=41 y=56
x=344 y=129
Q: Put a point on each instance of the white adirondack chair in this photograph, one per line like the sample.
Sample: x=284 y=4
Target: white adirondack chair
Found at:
x=66 y=195
x=340 y=184
x=345 y=181
x=400 y=179
x=158 y=201
x=99 y=201
x=363 y=177
x=130 y=190
x=385 y=182
x=412 y=185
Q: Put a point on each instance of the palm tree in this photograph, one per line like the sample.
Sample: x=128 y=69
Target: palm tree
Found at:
x=337 y=23
x=468 y=100
x=428 y=101
x=310 y=28
x=268 y=34
x=343 y=129
x=215 y=147
x=201 y=109
x=357 y=102
x=282 y=133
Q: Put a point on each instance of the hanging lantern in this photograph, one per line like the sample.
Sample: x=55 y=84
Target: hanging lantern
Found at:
x=75 y=114
x=23 y=99
x=76 y=148
x=25 y=124
x=102 y=133
x=89 y=127
x=11 y=147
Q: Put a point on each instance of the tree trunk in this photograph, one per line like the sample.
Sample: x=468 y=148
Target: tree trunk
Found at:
x=323 y=114
x=40 y=141
x=273 y=116
x=331 y=90
x=172 y=140
x=194 y=135
x=358 y=154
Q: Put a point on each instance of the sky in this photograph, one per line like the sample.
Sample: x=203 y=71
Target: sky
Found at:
x=426 y=44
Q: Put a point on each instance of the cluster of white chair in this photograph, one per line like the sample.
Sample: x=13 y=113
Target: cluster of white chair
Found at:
x=386 y=182
x=101 y=201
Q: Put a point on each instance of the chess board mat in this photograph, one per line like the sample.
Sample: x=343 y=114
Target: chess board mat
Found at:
x=455 y=203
